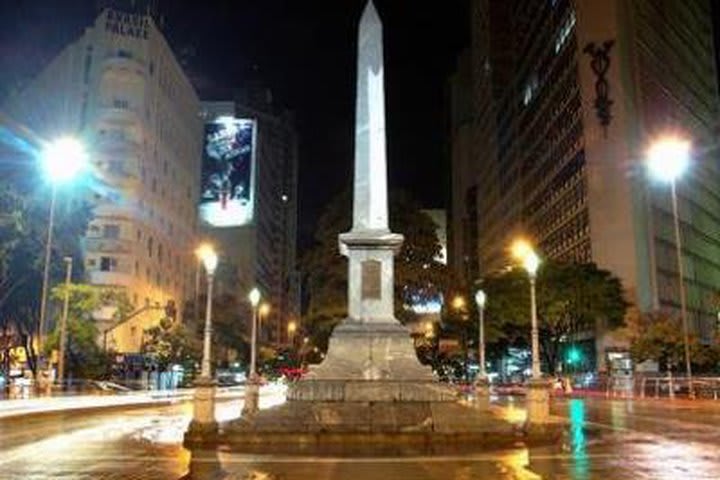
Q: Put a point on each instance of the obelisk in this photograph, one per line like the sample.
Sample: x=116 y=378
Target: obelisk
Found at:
x=370 y=345
x=370 y=389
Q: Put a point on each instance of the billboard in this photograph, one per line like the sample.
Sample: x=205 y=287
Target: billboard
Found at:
x=227 y=193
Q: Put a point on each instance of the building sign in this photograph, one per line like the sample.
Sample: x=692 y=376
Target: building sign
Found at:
x=127 y=24
x=227 y=172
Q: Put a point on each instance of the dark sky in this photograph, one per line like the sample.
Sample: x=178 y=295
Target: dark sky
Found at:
x=305 y=52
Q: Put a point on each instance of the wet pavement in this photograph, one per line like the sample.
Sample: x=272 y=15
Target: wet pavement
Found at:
x=609 y=439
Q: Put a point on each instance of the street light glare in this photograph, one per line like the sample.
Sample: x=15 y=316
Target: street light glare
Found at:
x=520 y=249
x=531 y=262
x=206 y=253
x=264 y=309
x=480 y=299
x=458 y=302
x=254 y=297
x=63 y=159
x=668 y=158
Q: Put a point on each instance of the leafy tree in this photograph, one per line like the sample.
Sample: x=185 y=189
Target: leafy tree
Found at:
x=84 y=357
x=571 y=298
x=231 y=324
x=24 y=209
x=418 y=275
x=659 y=336
x=171 y=343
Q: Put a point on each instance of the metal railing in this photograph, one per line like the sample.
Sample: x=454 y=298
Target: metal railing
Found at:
x=707 y=388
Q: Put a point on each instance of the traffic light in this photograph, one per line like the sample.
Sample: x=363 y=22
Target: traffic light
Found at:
x=574 y=355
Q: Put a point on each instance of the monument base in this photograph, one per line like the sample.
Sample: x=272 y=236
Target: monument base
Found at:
x=302 y=426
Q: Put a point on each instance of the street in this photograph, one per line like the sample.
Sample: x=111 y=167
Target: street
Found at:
x=612 y=439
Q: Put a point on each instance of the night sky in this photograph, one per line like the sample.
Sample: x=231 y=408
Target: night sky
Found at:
x=304 y=51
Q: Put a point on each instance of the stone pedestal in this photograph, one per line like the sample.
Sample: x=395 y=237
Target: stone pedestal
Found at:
x=482 y=393
x=538 y=404
x=251 y=405
x=203 y=426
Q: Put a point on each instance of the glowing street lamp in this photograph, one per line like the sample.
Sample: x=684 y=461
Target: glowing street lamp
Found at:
x=481 y=300
x=254 y=298
x=210 y=260
x=524 y=252
x=62 y=161
x=667 y=160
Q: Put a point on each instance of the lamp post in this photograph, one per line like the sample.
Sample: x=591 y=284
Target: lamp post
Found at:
x=63 y=322
x=482 y=385
x=252 y=389
x=538 y=395
x=210 y=261
x=203 y=422
x=254 y=298
x=667 y=159
x=480 y=300
x=62 y=160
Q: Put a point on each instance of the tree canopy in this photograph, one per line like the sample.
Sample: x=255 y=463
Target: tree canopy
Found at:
x=659 y=336
x=419 y=276
x=24 y=210
x=572 y=298
x=84 y=358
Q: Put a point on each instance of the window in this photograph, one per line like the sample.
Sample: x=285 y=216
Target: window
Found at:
x=91 y=262
x=564 y=32
x=530 y=89
x=111 y=231
x=133 y=331
x=124 y=54
x=121 y=103
x=108 y=264
x=150 y=247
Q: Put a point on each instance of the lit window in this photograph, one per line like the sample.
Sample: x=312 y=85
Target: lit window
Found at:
x=530 y=89
x=564 y=32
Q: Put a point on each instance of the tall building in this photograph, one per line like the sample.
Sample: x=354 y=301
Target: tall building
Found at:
x=120 y=89
x=258 y=238
x=567 y=96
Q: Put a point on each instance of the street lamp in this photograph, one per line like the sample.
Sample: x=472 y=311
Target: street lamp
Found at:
x=254 y=297
x=62 y=160
x=210 y=261
x=480 y=300
x=203 y=421
x=524 y=252
x=63 y=321
x=667 y=159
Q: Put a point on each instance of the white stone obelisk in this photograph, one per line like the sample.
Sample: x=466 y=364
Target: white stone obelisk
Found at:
x=370 y=344
x=370 y=245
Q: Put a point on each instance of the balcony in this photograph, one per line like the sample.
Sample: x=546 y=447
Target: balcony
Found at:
x=107 y=245
x=118 y=114
x=122 y=65
x=113 y=278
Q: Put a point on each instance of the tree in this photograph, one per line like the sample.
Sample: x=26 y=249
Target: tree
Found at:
x=24 y=208
x=419 y=276
x=659 y=336
x=171 y=343
x=231 y=322
x=571 y=298
x=84 y=357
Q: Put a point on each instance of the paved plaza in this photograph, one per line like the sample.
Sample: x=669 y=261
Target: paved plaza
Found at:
x=615 y=439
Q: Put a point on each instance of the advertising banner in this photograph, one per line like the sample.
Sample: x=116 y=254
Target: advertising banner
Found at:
x=227 y=196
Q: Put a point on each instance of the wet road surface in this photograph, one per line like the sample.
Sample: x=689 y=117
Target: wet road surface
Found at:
x=612 y=440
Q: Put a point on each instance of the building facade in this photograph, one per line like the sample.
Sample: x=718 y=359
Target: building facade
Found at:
x=120 y=89
x=262 y=250
x=567 y=96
